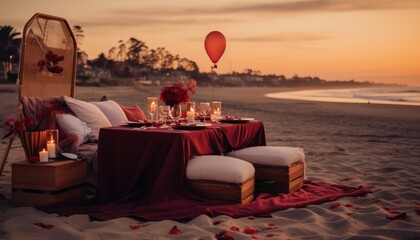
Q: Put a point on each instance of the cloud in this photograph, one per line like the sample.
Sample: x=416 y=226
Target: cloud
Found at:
x=283 y=37
x=228 y=13
x=275 y=7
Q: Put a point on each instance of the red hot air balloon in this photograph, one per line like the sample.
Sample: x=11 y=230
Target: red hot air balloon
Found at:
x=215 y=44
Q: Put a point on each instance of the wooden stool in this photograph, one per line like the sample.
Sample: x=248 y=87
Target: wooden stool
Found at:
x=222 y=178
x=40 y=184
x=277 y=169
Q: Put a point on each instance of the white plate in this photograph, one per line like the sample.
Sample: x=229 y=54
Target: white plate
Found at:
x=248 y=119
x=202 y=124
x=69 y=155
x=197 y=125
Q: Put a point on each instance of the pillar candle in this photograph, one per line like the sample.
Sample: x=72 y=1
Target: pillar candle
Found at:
x=43 y=156
x=190 y=116
x=51 y=149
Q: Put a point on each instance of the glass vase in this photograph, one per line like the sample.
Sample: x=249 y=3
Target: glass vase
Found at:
x=176 y=111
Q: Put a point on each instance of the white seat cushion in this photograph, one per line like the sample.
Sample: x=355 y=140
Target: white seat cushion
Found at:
x=219 y=168
x=270 y=155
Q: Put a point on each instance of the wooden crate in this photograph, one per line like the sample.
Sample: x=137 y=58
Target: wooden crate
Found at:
x=38 y=184
x=242 y=192
x=277 y=179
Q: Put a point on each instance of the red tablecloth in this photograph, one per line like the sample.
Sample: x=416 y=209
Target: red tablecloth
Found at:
x=149 y=165
x=142 y=174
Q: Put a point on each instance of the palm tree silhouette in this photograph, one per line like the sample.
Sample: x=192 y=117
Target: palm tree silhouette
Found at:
x=9 y=48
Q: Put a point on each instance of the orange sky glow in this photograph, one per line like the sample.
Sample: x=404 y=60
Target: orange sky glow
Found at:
x=372 y=40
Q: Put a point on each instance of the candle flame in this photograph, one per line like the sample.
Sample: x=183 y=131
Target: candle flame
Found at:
x=43 y=149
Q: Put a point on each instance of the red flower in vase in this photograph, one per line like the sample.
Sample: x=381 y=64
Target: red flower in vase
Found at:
x=177 y=94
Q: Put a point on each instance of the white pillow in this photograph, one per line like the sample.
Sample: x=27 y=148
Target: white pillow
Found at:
x=70 y=124
x=112 y=111
x=90 y=114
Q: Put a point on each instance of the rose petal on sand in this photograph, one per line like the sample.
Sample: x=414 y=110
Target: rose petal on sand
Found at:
x=335 y=205
x=250 y=230
x=254 y=237
x=271 y=235
x=390 y=210
x=224 y=235
x=397 y=216
x=235 y=229
x=175 y=231
x=135 y=227
x=396 y=201
x=44 y=226
x=349 y=205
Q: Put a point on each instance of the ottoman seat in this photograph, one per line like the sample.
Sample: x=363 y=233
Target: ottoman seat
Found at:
x=221 y=178
x=277 y=169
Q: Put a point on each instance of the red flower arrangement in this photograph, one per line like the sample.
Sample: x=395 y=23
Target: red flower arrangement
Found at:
x=12 y=125
x=177 y=94
x=50 y=63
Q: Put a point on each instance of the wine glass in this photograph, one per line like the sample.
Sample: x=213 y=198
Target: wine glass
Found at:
x=205 y=110
x=165 y=111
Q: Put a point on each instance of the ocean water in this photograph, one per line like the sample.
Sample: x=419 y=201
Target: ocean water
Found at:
x=382 y=95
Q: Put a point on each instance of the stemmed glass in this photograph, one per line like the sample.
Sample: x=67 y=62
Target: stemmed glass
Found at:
x=205 y=110
x=152 y=106
x=165 y=110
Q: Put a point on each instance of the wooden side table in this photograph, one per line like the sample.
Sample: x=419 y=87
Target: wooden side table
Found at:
x=39 y=184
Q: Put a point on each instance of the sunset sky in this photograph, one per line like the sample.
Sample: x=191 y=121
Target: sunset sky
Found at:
x=372 y=40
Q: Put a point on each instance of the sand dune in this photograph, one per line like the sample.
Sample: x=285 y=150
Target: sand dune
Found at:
x=351 y=144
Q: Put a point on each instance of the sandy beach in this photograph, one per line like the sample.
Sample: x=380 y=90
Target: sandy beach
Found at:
x=373 y=145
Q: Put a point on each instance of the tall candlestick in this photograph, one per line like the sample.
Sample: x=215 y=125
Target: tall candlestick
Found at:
x=43 y=156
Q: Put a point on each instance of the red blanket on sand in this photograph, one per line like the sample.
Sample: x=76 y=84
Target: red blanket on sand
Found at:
x=182 y=209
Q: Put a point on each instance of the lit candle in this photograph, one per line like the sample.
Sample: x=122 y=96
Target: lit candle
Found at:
x=218 y=113
x=190 y=116
x=43 y=156
x=217 y=109
x=153 y=107
x=51 y=148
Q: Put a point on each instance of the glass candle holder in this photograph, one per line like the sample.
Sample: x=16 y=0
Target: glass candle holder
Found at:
x=191 y=112
x=217 y=109
x=152 y=107
x=52 y=142
x=190 y=106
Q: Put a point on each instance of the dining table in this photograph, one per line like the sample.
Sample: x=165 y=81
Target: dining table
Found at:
x=148 y=164
x=141 y=174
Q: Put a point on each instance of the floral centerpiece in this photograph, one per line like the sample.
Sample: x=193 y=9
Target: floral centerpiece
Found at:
x=177 y=94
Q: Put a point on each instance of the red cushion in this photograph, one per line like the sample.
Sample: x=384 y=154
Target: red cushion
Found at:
x=133 y=113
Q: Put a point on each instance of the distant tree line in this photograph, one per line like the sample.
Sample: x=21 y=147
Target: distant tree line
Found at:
x=133 y=59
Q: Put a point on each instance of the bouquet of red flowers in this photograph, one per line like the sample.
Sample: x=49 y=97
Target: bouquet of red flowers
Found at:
x=177 y=94
x=12 y=125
